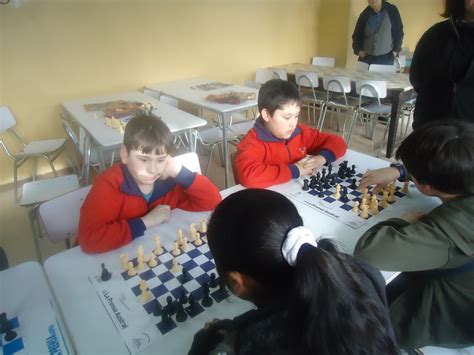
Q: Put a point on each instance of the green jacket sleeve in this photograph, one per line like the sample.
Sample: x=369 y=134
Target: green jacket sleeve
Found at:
x=396 y=245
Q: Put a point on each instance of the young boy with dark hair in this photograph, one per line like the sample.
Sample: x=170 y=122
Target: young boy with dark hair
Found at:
x=138 y=194
x=432 y=301
x=276 y=149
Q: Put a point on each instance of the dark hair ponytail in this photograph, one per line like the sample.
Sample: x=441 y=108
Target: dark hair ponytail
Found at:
x=330 y=309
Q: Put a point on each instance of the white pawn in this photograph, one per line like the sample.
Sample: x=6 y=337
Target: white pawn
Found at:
x=355 y=209
x=175 y=267
x=145 y=295
x=152 y=260
x=384 y=203
x=192 y=231
x=158 y=248
x=176 y=250
x=365 y=212
x=337 y=194
x=140 y=252
x=374 y=205
x=203 y=226
x=131 y=270
x=198 y=240
x=185 y=245
x=124 y=261
x=140 y=262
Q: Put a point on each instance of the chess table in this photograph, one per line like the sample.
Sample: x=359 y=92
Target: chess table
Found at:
x=85 y=315
x=399 y=89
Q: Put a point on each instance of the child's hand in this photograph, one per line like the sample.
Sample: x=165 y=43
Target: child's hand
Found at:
x=379 y=177
x=171 y=169
x=412 y=217
x=307 y=166
x=157 y=215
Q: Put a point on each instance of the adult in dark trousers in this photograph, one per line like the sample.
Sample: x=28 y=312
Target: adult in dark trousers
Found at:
x=378 y=35
x=442 y=69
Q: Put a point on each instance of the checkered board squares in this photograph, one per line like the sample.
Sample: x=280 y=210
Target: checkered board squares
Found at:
x=16 y=346
x=336 y=209
x=162 y=283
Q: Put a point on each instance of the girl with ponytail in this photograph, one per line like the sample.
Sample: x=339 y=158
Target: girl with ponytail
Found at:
x=310 y=298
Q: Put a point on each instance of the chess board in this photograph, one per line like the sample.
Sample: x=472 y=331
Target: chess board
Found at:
x=336 y=209
x=163 y=282
x=16 y=346
x=141 y=324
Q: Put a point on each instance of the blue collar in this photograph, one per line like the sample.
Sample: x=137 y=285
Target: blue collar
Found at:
x=129 y=186
x=264 y=135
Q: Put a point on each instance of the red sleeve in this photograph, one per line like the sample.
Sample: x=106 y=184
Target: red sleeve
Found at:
x=202 y=195
x=252 y=170
x=318 y=141
x=100 y=226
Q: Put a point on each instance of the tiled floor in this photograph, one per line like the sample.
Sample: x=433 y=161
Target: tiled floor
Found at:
x=15 y=232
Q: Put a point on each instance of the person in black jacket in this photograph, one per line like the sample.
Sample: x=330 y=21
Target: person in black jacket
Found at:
x=310 y=298
x=442 y=69
x=378 y=34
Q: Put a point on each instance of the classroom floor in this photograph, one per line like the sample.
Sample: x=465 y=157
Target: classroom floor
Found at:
x=15 y=232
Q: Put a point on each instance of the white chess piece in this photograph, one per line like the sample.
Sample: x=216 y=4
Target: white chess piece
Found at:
x=203 y=226
x=131 y=270
x=145 y=295
x=158 y=248
x=175 y=267
x=192 y=231
x=124 y=261
x=175 y=250
x=198 y=240
x=152 y=260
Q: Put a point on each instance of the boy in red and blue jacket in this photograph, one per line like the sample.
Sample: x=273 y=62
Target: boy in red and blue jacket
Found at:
x=138 y=194
x=276 y=149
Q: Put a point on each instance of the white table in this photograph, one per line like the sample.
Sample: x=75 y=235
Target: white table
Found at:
x=108 y=138
x=187 y=91
x=86 y=317
x=27 y=300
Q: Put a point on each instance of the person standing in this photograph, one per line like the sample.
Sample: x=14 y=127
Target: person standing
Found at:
x=378 y=34
x=442 y=69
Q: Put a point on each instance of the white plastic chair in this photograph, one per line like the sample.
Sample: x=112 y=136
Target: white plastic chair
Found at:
x=36 y=192
x=280 y=74
x=262 y=75
x=337 y=98
x=307 y=83
x=60 y=216
x=48 y=149
x=90 y=157
x=361 y=66
x=383 y=68
x=324 y=61
x=375 y=90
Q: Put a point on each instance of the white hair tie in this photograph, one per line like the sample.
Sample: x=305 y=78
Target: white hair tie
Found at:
x=293 y=242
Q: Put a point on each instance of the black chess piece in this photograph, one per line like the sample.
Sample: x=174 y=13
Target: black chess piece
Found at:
x=183 y=298
x=326 y=184
x=305 y=185
x=4 y=323
x=170 y=305
x=333 y=180
x=213 y=281
x=321 y=193
x=353 y=185
x=106 y=274
x=206 y=300
x=318 y=176
x=165 y=317
x=222 y=291
x=344 y=197
x=313 y=182
x=10 y=335
x=185 y=274
x=329 y=169
x=353 y=170
x=323 y=174
x=181 y=315
x=192 y=303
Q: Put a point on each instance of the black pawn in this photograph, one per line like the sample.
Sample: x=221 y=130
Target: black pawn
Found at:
x=181 y=315
x=165 y=317
x=10 y=335
x=329 y=169
x=170 y=305
x=321 y=193
x=192 y=303
x=313 y=182
x=185 y=275
x=183 y=299
x=305 y=185
x=318 y=176
x=4 y=323
x=333 y=180
x=353 y=170
x=323 y=175
x=353 y=185
x=213 y=281
x=106 y=274
x=206 y=300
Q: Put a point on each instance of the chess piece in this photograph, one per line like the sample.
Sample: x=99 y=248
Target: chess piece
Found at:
x=198 y=240
x=213 y=280
x=206 y=299
x=365 y=212
x=337 y=194
x=106 y=274
x=152 y=260
x=355 y=209
x=183 y=298
x=181 y=315
x=384 y=203
x=353 y=185
x=140 y=262
x=131 y=270
x=185 y=276
x=321 y=193
x=305 y=185
x=124 y=261
x=405 y=186
x=192 y=231
x=344 y=197
x=202 y=227
x=184 y=244
x=363 y=202
x=140 y=252
x=176 y=251
x=158 y=249
x=170 y=305
x=175 y=268
x=10 y=335
x=364 y=192
x=180 y=237
x=145 y=295
x=374 y=205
